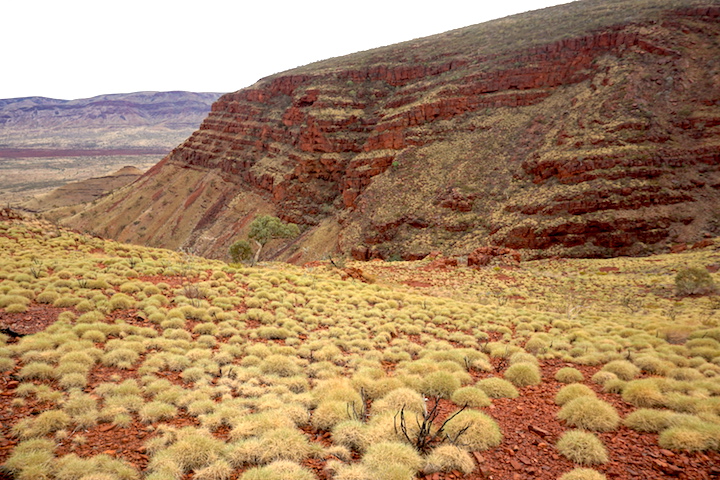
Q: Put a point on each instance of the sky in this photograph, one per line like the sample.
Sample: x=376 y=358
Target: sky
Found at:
x=71 y=49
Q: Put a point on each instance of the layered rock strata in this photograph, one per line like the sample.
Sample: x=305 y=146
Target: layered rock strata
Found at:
x=599 y=144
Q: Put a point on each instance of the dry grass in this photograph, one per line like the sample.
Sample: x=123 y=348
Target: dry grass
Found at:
x=351 y=344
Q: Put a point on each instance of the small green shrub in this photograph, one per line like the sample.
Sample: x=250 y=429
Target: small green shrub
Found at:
x=694 y=281
x=240 y=251
x=582 y=447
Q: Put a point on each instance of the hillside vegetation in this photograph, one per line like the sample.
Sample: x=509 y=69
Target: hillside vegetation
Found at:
x=589 y=129
x=149 y=363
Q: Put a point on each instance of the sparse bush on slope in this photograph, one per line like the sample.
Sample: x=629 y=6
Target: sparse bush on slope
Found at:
x=694 y=281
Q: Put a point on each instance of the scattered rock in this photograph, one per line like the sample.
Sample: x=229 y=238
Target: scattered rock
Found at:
x=484 y=256
x=539 y=431
x=703 y=243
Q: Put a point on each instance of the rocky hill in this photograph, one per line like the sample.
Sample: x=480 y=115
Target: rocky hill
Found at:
x=84 y=191
x=587 y=129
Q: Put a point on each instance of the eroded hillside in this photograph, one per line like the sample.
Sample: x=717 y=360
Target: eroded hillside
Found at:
x=588 y=129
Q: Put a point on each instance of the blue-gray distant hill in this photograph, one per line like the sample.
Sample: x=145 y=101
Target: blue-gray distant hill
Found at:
x=143 y=120
x=46 y=143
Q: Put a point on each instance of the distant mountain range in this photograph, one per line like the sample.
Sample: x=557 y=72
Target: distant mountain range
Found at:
x=141 y=119
x=46 y=143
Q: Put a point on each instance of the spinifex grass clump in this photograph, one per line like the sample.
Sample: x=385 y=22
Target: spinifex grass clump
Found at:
x=392 y=456
x=497 y=388
x=446 y=458
x=32 y=459
x=582 y=447
x=439 y=384
x=399 y=399
x=347 y=358
x=624 y=369
x=569 y=375
x=474 y=430
x=583 y=474
x=571 y=392
x=691 y=434
x=645 y=393
x=590 y=413
x=471 y=396
x=523 y=374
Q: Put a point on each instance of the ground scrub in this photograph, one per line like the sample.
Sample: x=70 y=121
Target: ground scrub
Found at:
x=590 y=413
x=694 y=281
x=474 y=430
x=523 y=374
x=582 y=447
x=343 y=357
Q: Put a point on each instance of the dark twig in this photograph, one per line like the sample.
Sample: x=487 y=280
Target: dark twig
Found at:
x=426 y=439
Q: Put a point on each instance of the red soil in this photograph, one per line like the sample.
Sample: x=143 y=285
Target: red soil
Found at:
x=528 y=423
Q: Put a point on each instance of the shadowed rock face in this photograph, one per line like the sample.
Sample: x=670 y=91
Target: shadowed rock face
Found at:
x=602 y=142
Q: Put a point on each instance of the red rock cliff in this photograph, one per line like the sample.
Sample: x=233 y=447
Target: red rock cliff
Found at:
x=601 y=143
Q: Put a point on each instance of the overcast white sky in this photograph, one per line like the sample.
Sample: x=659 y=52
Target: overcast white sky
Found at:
x=81 y=48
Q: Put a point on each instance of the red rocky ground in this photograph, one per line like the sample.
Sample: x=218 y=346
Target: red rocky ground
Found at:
x=528 y=424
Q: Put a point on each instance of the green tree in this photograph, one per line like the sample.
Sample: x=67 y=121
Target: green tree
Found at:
x=240 y=251
x=266 y=227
